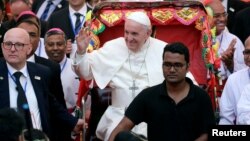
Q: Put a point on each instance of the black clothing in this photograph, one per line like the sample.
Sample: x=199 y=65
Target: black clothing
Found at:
x=241 y=27
x=233 y=7
x=169 y=121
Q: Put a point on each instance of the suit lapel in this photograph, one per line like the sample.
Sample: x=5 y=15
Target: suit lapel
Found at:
x=41 y=96
x=35 y=80
x=4 y=85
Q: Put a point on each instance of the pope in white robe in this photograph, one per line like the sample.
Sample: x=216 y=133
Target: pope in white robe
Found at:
x=233 y=90
x=125 y=71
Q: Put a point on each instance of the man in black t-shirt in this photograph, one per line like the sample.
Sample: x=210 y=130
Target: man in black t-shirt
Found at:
x=174 y=110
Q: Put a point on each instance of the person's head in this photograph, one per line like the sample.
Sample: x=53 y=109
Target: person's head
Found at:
x=55 y=44
x=11 y=125
x=37 y=135
x=76 y=4
x=246 y=52
x=18 y=6
x=175 y=62
x=16 y=46
x=219 y=15
x=137 y=29
x=29 y=15
x=33 y=30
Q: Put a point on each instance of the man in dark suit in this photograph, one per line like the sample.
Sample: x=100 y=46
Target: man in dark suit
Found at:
x=241 y=27
x=55 y=85
x=66 y=18
x=33 y=28
x=42 y=105
x=234 y=6
x=39 y=7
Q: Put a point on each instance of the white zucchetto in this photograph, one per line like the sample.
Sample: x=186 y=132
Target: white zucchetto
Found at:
x=140 y=17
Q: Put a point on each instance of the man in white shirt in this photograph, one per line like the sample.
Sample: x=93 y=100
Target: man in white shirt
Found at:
x=55 y=47
x=233 y=90
x=229 y=50
x=243 y=106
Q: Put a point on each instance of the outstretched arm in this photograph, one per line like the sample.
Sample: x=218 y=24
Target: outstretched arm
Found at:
x=125 y=125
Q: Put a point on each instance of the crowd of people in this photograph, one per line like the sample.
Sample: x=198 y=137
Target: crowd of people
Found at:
x=154 y=96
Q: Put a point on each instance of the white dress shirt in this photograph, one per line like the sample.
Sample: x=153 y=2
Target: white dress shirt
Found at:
x=231 y=95
x=243 y=107
x=29 y=92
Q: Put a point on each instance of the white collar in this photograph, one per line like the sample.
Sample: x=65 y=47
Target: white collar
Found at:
x=63 y=61
x=82 y=11
x=55 y=2
x=13 y=70
x=31 y=58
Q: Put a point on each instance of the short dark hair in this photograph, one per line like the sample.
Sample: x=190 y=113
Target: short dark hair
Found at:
x=11 y=125
x=28 y=21
x=35 y=135
x=55 y=31
x=177 y=47
x=26 y=18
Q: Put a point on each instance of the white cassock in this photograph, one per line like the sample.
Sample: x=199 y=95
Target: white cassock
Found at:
x=225 y=39
x=231 y=95
x=243 y=107
x=116 y=66
x=70 y=82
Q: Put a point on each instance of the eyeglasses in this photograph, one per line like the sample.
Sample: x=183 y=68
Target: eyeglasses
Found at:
x=177 y=66
x=246 y=52
x=18 y=46
x=218 y=15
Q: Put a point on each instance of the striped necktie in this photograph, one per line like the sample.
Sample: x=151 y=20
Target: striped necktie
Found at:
x=78 y=22
x=46 y=11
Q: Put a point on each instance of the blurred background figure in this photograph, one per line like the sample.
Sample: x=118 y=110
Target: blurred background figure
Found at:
x=37 y=135
x=70 y=19
x=241 y=27
x=29 y=15
x=2 y=12
x=11 y=125
x=44 y=8
x=16 y=7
